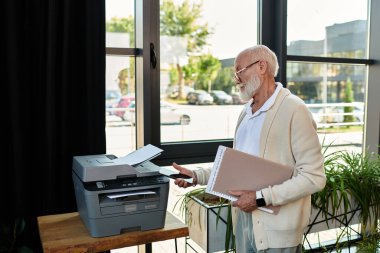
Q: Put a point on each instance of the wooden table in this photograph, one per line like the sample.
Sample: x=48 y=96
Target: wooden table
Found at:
x=67 y=233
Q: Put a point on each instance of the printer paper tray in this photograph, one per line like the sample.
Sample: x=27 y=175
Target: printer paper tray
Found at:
x=129 y=201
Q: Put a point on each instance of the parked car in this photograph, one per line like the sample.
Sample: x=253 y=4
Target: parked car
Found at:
x=169 y=114
x=221 y=97
x=112 y=98
x=199 y=97
x=335 y=113
x=123 y=104
x=173 y=91
x=236 y=99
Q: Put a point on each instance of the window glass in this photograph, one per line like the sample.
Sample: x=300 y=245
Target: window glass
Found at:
x=120 y=24
x=199 y=40
x=120 y=77
x=335 y=95
x=120 y=97
x=328 y=28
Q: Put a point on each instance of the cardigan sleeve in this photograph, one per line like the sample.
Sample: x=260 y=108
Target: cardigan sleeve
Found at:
x=202 y=175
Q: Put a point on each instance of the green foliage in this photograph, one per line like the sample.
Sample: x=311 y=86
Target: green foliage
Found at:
x=182 y=20
x=191 y=70
x=173 y=76
x=353 y=180
x=201 y=71
x=184 y=200
x=9 y=237
x=122 y=25
x=200 y=195
x=371 y=245
x=208 y=67
x=224 y=81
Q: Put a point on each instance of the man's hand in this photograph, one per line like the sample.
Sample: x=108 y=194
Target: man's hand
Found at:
x=246 y=200
x=180 y=182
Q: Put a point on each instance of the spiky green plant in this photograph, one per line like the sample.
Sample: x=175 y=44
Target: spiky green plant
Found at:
x=353 y=181
x=371 y=245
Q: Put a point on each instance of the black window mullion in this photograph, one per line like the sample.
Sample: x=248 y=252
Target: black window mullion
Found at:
x=273 y=31
x=124 y=51
x=298 y=58
x=190 y=152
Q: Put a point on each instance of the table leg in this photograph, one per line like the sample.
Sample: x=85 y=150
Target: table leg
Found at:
x=147 y=248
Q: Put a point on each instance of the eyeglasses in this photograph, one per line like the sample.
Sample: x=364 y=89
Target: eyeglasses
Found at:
x=236 y=74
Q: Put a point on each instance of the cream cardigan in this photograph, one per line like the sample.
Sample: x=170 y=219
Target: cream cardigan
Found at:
x=288 y=136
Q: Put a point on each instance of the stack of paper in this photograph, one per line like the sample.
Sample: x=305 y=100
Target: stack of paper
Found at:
x=236 y=170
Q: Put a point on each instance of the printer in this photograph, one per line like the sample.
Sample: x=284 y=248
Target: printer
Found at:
x=116 y=195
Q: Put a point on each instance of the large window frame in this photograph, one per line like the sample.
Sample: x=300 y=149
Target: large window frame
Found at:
x=272 y=32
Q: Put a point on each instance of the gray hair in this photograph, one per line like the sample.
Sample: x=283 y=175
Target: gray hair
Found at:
x=261 y=52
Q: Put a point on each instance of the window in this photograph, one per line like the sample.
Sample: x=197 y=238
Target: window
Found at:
x=199 y=41
x=152 y=60
x=326 y=65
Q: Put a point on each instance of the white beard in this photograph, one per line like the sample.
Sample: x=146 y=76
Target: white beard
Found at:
x=250 y=88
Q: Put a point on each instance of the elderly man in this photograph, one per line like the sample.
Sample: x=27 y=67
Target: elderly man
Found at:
x=276 y=125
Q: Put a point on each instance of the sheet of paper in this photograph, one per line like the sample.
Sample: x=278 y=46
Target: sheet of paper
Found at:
x=143 y=154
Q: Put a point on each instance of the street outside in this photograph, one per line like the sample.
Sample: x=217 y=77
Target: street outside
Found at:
x=207 y=123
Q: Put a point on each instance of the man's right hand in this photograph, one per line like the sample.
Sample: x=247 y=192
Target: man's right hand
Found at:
x=180 y=182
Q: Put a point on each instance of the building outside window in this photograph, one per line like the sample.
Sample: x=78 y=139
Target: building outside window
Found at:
x=326 y=48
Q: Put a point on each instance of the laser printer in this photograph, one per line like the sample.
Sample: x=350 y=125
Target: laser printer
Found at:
x=116 y=195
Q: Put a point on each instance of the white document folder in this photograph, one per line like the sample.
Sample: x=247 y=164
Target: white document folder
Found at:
x=236 y=170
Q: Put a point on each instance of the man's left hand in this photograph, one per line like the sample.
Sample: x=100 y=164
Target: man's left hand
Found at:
x=246 y=200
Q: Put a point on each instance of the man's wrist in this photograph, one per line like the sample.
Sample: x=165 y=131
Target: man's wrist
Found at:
x=195 y=178
x=260 y=201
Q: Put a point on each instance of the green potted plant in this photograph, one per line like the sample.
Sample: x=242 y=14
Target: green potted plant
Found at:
x=209 y=220
x=351 y=195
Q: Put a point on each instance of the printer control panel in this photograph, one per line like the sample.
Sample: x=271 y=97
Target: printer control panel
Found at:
x=125 y=183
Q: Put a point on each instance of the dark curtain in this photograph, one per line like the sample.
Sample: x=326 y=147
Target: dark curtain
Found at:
x=53 y=93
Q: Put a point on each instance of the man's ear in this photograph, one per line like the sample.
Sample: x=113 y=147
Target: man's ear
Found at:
x=263 y=65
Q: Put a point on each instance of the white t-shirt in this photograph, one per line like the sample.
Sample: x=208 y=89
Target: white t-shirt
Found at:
x=248 y=133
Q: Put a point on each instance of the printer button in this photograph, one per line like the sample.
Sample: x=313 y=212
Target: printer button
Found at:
x=99 y=184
